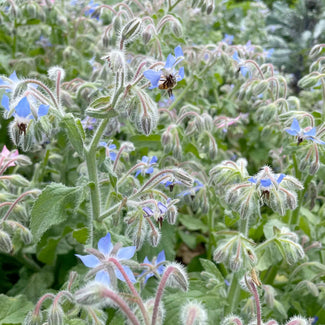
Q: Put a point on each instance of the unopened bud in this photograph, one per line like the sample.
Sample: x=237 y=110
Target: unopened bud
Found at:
x=146 y=36
x=105 y=40
x=195 y=3
x=146 y=124
x=219 y=255
x=154 y=237
x=24 y=232
x=210 y=8
x=184 y=177
x=207 y=121
x=5 y=242
x=232 y=320
x=56 y=72
x=315 y=50
x=171 y=214
x=26 y=141
x=178 y=276
x=149 y=305
x=193 y=313
x=308 y=81
x=23 y=160
x=33 y=319
x=260 y=87
x=235 y=263
x=18 y=180
x=116 y=60
x=90 y=295
x=56 y=315
x=131 y=29
x=177 y=28
x=314 y=167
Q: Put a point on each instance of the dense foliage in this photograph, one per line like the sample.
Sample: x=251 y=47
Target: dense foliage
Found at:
x=162 y=162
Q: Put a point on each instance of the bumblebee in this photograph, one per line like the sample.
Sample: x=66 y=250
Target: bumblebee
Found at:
x=167 y=82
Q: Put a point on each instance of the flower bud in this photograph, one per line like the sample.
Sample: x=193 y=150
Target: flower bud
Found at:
x=219 y=254
x=314 y=167
x=178 y=277
x=232 y=320
x=308 y=81
x=26 y=141
x=193 y=313
x=105 y=40
x=260 y=87
x=177 y=28
x=154 y=237
x=18 y=180
x=24 y=232
x=171 y=214
x=177 y=151
x=315 y=50
x=195 y=3
x=272 y=322
x=149 y=305
x=5 y=242
x=23 y=160
x=269 y=295
x=183 y=177
x=56 y=315
x=210 y=8
x=146 y=36
x=235 y=263
x=56 y=72
x=116 y=60
x=131 y=29
x=91 y=295
x=33 y=319
x=147 y=125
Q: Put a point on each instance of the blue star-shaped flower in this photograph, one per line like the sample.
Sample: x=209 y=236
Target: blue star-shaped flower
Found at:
x=105 y=248
x=23 y=109
x=109 y=150
x=158 y=77
x=267 y=182
x=155 y=267
x=295 y=130
x=147 y=166
x=91 y=7
x=243 y=70
x=228 y=39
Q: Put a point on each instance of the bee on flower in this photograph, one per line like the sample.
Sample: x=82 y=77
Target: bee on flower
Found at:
x=167 y=77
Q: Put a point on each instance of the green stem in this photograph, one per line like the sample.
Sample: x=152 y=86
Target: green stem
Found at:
x=174 y=5
x=323 y=93
x=233 y=295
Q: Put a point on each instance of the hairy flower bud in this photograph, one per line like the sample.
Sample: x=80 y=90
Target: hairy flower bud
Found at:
x=260 y=87
x=232 y=320
x=154 y=237
x=193 y=313
x=91 y=295
x=146 y=124
x=171 y=214
x=177 y=28
x=116 y=60
x=146 y=35
x=178 y=276
x=210 y=8
x=131 y=29
x=298 y=320
x=5 y=242
x=56 y=315
x=56 y=72
x=33 y=318
x=308 y=81
x=183 y=177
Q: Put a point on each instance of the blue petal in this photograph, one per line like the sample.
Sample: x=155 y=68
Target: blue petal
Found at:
x=266 y=182
x=128 y=272
x=146 y=260
x=137 y=173
x=162 y=208
x=244 y=71
x=252 y=180
x=103 y=277
x=153 y=77
x=14 y=77
x=89 y=260
x=112 y=156
x=161 y=257
x=102 y=144
x=145 y=159
x=5 y=102
x=170 y=61
x=178 y=51
x=2 y=82
x=315 y=140
x=149 y=170
x=292 y=132
x=311 y=132
x=180 y=74
x=43 y=110
x=148 y=211
x=148 y=276
x=105 y=245
x=112 y=146
x=280 y=178
x=153 y=160
x=23 y=109
x=295 y=125
x=126 y=252
x=236 y=57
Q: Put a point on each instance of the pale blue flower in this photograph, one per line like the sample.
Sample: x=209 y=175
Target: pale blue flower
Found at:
x=267 y=182
x=157 y=77
x=147 y=168
x=296 y=130
x=228 y=39
x=155 y=267
x=23 y=109
x=192 y=190
x=109 y=149
x=105 y=248
x=244 y=70
x=268 y=53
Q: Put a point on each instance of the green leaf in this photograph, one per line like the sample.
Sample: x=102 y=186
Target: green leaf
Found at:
x=74 y=133
x=81 y=235
x=101 y=101
x=212 y=268
x=193 y=223
x=51 y=207
x=101 y=112
x=14 y=309
x=152 y=141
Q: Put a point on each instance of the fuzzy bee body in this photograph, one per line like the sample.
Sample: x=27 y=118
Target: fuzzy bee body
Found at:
x=167 y=82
